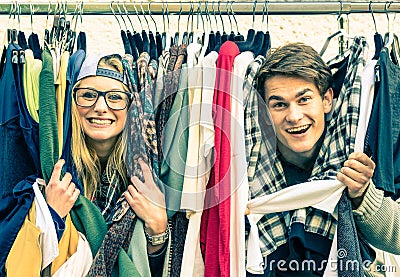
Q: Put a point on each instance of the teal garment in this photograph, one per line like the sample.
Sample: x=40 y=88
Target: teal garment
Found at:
x=89 y=221
x=175 y=146
x=48 y=135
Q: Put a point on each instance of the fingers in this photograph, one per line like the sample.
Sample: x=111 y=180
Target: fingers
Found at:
x=147 y=174
x=355 y=189
x=362 y=158
x=357 y=171
x=55 y=175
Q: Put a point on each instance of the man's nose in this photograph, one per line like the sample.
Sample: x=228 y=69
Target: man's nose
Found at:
x=294 y=114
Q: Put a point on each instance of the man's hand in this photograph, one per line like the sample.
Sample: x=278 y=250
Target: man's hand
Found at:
x=61 y=194
x=356 y=174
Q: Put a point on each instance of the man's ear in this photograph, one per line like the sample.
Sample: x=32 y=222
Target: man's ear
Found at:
x=327 y=100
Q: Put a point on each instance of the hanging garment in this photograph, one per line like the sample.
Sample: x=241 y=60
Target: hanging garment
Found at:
x=48 y=132
x=366 y=102
x=239 y=179
x=198 y=161
x=25 y=258
x=74 y=65
x=214 y=231
x=60 y=88
x=175 y=143
x=32 y=70
x=383 y=133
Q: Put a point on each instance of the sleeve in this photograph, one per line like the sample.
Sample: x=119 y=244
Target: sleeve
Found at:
x=378 y=220
x=59 y=222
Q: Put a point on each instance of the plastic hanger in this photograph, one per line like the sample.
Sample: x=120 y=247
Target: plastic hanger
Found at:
x=152 y=41
x=131 y=40
x=266 y=45
x=124 y=37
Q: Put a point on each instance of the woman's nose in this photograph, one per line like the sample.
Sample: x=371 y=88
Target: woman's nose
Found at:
x=100 y=105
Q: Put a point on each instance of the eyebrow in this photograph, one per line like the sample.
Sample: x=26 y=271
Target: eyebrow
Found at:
x=279 y=98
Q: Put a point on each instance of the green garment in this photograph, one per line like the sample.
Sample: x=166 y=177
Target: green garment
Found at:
x=32 y=69
x=89 y=221
x=48 y=138
x=175 y=146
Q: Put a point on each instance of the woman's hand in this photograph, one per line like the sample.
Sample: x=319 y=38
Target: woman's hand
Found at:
x=61 y=194
x=148 y=201
x=356 y=174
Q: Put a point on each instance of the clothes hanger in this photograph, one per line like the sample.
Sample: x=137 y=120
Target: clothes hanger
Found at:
x=21 y=39
x=378 y=40
x=146 y=42
x=238 y=36
x=185 y=36
x=124 y=37
x=266 y=45
x=33 y=40
x=177 y=34
x=136 y=35
x=391 y=40
x=211 y=35
x=131 y=39
x=247 y=44
x=342 y=33
x=232 y=33
x=191 y=33
x=153 y=46
x=224 y=36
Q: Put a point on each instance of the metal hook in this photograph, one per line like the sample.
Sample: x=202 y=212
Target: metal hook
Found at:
x=32 y=11
x=127 y=15
x=234 y=18
x=190 y=17
x=254 y=12
x=207 y=12
x=387 y=6
x=137 y=15
x=151 y=16
x=340 y=11
x=144 y=15
x=215 y=17
x=199 y=10
x=373 y=17
x=163 y=15
x=220 y=15
x=266 y=13
x=167 y=15
x=113 y=12
x=179 y=16
x=229 y=17
x=122 y=16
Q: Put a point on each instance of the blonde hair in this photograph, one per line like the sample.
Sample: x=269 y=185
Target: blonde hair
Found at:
x=85 y=158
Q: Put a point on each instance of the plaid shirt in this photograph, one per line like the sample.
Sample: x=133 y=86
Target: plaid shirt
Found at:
x=339 y=140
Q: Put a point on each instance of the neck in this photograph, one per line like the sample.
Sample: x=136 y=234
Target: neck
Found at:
x=304 y=160
x=103 y=150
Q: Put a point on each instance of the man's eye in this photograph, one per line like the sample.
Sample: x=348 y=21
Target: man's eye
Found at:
x=278 y=105
x=304 y=99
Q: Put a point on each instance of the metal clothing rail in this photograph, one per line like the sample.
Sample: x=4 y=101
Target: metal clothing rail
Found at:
x=185 y=7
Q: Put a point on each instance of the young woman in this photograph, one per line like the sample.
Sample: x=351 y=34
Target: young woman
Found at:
x=101 y=99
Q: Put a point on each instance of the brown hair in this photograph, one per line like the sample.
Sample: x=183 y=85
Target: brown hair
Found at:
x=295 y=60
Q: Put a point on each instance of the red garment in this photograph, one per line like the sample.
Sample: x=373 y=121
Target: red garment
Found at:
x=214 y=228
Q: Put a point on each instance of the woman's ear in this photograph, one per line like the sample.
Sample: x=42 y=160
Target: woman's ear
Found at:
x=327 y=100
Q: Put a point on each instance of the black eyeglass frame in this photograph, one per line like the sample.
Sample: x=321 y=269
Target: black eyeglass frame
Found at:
x=102 y=93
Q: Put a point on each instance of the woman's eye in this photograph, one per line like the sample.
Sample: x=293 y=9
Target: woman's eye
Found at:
x=114 y=96
x=89 y=94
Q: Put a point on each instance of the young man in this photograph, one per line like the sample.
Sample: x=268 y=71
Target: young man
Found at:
x=296 y=85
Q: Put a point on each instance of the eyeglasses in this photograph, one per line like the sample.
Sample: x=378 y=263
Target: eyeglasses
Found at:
x=115 y=99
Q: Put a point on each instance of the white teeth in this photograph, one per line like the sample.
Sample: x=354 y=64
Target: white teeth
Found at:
x=298 y=129
x=100 y=121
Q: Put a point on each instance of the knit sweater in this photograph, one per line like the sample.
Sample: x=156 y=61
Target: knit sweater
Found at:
x=378 y=220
